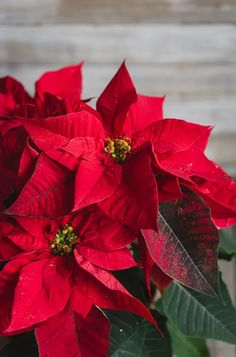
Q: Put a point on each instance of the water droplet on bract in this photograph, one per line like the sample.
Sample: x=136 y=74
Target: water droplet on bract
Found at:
x=121 y=329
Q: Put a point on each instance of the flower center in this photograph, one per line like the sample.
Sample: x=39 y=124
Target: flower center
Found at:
x=118 y=148
x=65 y=241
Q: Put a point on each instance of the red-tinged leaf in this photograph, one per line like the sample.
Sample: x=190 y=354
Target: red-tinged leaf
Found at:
x=65 y=83
x=113 y=104
x=142 y=113
x=95 y=181
x=41 y=292
x=80 y=124
x=185 y=247
x=191 y=162
x=135 y=200
x=48 y=193
x=106 y=291
x=113 y=260
x=74 y=336
x=172 y=135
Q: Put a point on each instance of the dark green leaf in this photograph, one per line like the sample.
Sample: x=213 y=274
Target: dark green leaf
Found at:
x=23 y=345
x=185 y=346
x=132 y=336
x=199 y=315
x=133 y=281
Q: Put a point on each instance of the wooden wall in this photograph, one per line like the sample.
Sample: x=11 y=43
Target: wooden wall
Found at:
x=185 y=49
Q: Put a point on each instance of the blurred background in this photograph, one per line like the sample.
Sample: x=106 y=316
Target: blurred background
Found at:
x=184 y=49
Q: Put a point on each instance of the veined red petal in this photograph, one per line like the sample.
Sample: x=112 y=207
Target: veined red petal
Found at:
x=103 y=233
x=58 y=336
x=93 y=343
x=23 y=239
x=74 y=336
x=41 y=292
x=95 y=181
x=219 y=195
x=79 y=124
x=110 y=260
x=106 y=291
x=173 y=135
x=50 y=143
x=13 y=96
x=113 y=104
x=161 y=280
x=65 y=83
x=7 y=184
x=9 y=276
x=145 y=111
x=191 y=162
x=135 y=200
x=48 y=193
x=27 y=164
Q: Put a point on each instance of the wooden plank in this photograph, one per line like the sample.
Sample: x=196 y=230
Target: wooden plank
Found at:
x=113 y=11
x=205 y=94
x=202 y=80
x=150 y=44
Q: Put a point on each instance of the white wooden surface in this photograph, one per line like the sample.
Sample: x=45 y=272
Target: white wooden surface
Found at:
x=113 y=11
x=185 y=49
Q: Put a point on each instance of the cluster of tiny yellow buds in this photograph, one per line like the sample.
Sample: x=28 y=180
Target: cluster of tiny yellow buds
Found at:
x=65 y=241
x=118 y=148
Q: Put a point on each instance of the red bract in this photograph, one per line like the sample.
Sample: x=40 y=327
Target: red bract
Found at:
x=170 y=151
x=56 y=92
x=123 y=114
x=59 y=268
x=13 y=97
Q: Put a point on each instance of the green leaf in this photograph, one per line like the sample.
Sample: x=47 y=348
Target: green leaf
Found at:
x=23 y=345
x=132 y=336
x=185 y=346
x=227 y=245
x=133 y=280
x=199 y=315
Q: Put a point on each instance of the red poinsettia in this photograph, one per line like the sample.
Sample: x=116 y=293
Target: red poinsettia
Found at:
x=58 y=271
x=171 y=149
x=136 y=159
x=56 y=92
